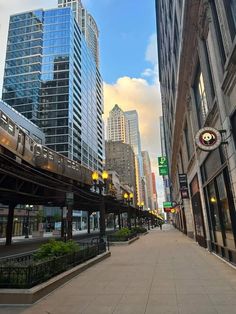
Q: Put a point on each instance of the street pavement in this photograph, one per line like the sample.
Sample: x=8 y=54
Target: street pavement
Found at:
x=163 y=272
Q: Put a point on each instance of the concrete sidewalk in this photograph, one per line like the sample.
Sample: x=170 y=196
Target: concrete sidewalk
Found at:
x=163 y=272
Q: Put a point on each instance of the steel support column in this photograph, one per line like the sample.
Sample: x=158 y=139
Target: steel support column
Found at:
x=88 y=222
x=10 y=223
x=119 y=220
x=129 y=218
x=102 y=223
x=69 y=221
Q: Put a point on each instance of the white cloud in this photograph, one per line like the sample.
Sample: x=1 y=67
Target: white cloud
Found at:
x=151 y=57
x=151 y=51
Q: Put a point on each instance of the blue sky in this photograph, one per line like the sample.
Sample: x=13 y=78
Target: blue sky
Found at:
x=125 y=27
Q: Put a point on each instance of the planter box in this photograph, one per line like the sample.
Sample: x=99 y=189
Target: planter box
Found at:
x=37 y=234
x=30 y=296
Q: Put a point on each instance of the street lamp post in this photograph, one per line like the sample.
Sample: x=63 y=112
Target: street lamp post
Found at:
x=129 y=200
x=100 y=186
x=140 y=207
x=28 y=208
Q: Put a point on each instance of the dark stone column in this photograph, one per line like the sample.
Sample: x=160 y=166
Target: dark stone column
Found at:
x=88 y=222
x=10 y=223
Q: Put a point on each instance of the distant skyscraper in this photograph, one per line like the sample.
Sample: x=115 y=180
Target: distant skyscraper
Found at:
x=120 y=158
x=154 y=191
x=135 y=142
x=52 y=79
x=124 y=126
x=117 y=125
x=87 y=25
x=148 y=176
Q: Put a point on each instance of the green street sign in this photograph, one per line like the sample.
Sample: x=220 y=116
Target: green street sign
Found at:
x=162 y=161
x=167 y=204
x=163 y=171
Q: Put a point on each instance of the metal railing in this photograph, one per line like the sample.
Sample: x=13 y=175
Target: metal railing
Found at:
x=25 y=272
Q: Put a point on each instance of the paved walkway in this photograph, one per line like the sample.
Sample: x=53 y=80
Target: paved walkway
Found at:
x=163 y=272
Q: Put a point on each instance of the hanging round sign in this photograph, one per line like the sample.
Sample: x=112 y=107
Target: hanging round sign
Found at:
x=208 y=139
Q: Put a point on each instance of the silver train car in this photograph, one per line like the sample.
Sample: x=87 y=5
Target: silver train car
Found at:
x=14 y=139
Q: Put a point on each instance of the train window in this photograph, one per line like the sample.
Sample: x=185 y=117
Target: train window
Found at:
x=4 y=118
x=3 y=121
x=38 y=150
x=45 y=153
x=31 y=142
x=50 y=156
x=11 y=128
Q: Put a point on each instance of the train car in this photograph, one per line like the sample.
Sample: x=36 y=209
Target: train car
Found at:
x=15 y=139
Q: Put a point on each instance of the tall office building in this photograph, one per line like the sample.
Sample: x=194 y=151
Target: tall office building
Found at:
x=135 y=142
x=147 y=171
x=154 y=191
x=87 y=25
x=52 y=79
x=197 y=53
x=117 y=126
x=120 y=158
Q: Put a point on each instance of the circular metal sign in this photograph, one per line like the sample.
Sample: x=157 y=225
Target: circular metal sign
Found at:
x=208 y=139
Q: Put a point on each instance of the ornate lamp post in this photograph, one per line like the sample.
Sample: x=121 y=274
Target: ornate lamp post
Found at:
x=100 y=185
x=140 y=207
x=128 y=198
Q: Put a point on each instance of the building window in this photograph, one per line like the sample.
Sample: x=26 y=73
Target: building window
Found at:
x=230 y=9
x=233 y=124
x=200 y=98
x=218 y=32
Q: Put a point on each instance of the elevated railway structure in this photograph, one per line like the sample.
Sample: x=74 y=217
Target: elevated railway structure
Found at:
x=30 y=173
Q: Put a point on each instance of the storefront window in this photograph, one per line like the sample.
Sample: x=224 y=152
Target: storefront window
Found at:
x=224 y=205
x=213 y=207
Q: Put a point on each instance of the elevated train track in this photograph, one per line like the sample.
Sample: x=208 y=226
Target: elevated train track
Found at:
x=30 y=173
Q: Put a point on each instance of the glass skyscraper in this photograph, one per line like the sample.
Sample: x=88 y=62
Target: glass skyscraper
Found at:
x=51 y=78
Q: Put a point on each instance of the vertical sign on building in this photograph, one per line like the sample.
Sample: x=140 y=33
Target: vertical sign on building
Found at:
x=183 y=185
x=163 y=166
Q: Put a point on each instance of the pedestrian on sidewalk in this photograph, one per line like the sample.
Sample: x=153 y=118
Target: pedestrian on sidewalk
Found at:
x=160 y=224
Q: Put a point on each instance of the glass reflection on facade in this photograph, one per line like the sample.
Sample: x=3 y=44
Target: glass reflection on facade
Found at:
x=51 y=78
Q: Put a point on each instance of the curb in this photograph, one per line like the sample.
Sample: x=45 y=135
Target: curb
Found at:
x=117 y=243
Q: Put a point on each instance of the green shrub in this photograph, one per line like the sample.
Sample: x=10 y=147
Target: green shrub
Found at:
x=122 y=232
x=56 y=248
x=139 y=229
